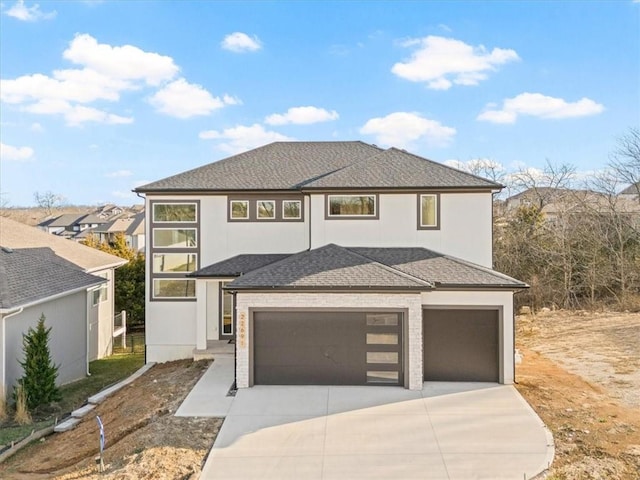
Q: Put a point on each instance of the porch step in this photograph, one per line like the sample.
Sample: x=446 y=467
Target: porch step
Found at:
x=68 y=424
x=215 y=349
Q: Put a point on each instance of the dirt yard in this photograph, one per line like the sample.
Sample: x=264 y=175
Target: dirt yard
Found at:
x=581 y=373
x=143 y=438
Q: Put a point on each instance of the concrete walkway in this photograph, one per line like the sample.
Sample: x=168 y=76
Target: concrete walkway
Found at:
x=445 y=431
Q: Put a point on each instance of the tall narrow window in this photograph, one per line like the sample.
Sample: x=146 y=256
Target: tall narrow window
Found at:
x=428 y=211
x=226 y=313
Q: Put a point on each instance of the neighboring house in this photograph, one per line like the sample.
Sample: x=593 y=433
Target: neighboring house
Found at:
x=632 y=192
x=71 y=225
x=329 y=263
x=132 y=228
x=108 y=211
x=36 y=281
x=99 y=317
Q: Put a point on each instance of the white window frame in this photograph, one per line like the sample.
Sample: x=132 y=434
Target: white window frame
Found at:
x=170 y=279
x=299 y=202
x=153 y=237
x=153 y=213
x=258 y=217
x=436 y=198
x=231 y=202
x=153 y=263
x=373 y=215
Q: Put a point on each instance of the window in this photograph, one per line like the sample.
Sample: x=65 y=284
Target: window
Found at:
x=174 y=237
x=101 y=294
x=428 y=212
x=352 y=206
x=174 y=212
x=174 y=288
x=291 y=209
x=239 y=209
x=226 y=312
x=174 y=262
x=266 y=209
x=174 y=249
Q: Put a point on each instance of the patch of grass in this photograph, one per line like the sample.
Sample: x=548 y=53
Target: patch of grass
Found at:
x=134 y=344
x=104 y=372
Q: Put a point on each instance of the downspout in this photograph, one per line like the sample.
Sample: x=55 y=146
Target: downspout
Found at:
x=147 y=237
x=309 y=204
x=88 y=324
x=4 y=339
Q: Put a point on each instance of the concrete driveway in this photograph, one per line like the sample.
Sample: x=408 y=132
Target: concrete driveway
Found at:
x=445 y=431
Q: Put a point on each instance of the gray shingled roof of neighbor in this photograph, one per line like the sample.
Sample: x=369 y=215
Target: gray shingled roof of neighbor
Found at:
x=238 y=265
x=336 y=267
x=136 y=227
x=29 y=275
x=632 y=189
x=318 y=165
x=18 y=235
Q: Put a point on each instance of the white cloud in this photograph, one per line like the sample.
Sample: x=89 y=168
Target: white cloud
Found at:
x=36 y=127
x=119 y=174
x=302 y=116
x=442 y=62
x=541 y=106
x=124 y=63
x=403 y=129
x=241 y=138
x=29 y=14
x=17 y=154
x=75 y=115
x=182 y=99
x=241 y=42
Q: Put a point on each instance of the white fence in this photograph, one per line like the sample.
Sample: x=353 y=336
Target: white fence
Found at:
x=120 y=327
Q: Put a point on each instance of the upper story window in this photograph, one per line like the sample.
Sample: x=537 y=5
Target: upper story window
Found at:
x=174 y=249
x=352 y=206
x=266 y=209
x=175 y=212
x=291 y=209
x=258 y=208
x=429 y=211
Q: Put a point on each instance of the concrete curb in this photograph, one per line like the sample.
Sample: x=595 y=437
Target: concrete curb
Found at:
x=102 y=396
x=26 y=441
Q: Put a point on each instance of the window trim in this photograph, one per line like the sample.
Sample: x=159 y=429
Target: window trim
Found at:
x=171 y=279
x=329 y=216
x=246 y=202
x=169 y=272
x=153 y=212
x=160 y=247
x=299 y=202
x=253 y=199
x=275 y=210
x=419 y=204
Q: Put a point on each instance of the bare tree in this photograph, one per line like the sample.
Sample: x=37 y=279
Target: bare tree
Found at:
x=48 y=201
x=624 y=161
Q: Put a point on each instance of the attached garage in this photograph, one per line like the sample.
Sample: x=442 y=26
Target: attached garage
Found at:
x=461 y=344
x=327 y=348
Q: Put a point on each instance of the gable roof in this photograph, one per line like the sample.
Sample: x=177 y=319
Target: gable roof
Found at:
x=318 y=165
x=632 y=189
x=336 y=267
x=70 y=219
x=29 y=275
x=18 y=235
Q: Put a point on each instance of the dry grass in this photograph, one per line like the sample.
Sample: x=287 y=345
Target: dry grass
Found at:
x=22 y=417
x=3 y=407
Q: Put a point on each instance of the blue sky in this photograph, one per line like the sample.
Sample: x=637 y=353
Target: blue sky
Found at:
x=101 y=96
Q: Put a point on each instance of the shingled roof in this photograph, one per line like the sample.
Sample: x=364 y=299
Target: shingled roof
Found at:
x=18 y=235
x=319 y=165
x=334 y=267
x=28 y=275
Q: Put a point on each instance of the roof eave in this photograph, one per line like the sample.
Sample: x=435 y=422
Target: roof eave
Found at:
x=49 y=298
x=325 y=288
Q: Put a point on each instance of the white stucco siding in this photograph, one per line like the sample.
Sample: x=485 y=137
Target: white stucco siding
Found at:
x=465 y=226
x=499 y=299
x=170 y=330
x=409 y=302
x=67 y=317
x=223 y=239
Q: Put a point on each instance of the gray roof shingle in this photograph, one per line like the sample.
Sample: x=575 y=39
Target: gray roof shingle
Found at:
x=318 y=165
x=328 y=267
x=32 y=274
x=238 y=265
x=335 y=267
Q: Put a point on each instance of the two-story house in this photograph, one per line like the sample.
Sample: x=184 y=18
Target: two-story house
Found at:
x=329 y=263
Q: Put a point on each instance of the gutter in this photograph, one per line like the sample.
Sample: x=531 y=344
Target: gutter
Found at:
x=18 y=311
x=54 y=297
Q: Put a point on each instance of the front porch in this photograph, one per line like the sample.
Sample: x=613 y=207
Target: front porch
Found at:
x=215 y=349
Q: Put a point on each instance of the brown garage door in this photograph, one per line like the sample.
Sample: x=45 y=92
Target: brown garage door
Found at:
x=327 y=348
x=461 y=345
